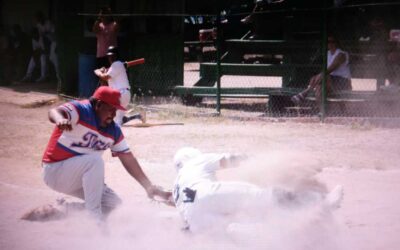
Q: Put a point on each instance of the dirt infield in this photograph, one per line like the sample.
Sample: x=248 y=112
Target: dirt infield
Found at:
x=364 y=159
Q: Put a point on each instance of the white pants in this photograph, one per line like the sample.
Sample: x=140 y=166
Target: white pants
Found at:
x=54 y=59
x=82 y=177
x=219 y=204
x=32 y=65
x=216 y=204
x=125 y=99
x=43 y=63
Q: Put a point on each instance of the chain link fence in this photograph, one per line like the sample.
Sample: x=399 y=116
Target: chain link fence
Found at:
x=279 y=58
x=276 y=55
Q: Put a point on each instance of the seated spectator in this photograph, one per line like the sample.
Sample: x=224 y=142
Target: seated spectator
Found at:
x=338 y=74
x=38 y=55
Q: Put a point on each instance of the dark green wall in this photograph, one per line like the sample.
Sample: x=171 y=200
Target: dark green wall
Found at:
x=69 y=31
x=158 y=39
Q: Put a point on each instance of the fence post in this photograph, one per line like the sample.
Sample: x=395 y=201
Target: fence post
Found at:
x=218 y=55
x=324 y=62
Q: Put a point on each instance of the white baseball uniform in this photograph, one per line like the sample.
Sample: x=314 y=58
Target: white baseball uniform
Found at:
x=119 y=80
x=48 y=30
x=72 y=162
x=36 y=45
x=205 y=203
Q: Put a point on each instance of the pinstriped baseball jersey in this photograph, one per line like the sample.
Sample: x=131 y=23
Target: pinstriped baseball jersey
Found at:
x=86 y=136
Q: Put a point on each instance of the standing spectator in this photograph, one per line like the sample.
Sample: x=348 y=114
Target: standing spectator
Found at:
x=20 y=50
x=261 y=22
x=5 y=69
x=38 y=55
x=47 y=32
x=117 y=78
x=393 y=66
x=106 y=30
x=338 y=74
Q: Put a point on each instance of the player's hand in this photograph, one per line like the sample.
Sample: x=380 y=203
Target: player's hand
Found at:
x=64 y=124
x=158 y=194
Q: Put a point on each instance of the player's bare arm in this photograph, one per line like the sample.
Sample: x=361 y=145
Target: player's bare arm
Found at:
x=96 y=25
x=339 y=60
x=132 y=166
x=102 y=74
x=60 y=118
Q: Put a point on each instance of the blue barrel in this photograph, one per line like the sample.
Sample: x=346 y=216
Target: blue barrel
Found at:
x=87 y=79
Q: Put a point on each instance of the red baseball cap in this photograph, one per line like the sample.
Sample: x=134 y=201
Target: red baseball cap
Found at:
x=109 y=96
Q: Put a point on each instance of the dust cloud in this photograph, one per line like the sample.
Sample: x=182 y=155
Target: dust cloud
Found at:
x=144 y=225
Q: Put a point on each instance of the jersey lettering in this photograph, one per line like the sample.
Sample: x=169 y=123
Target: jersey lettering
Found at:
x=91 y=140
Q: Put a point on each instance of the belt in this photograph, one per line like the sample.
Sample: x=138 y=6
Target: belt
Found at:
x=123 y=90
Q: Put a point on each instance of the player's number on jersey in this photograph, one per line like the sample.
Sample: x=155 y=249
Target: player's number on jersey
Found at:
x=190 y=194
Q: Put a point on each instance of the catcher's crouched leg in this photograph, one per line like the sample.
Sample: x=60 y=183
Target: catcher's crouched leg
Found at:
x=110 y=200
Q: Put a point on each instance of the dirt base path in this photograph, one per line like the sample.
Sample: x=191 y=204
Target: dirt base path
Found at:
x=365 y=160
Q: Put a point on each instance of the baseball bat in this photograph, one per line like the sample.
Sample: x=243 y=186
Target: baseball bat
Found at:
x=146 y=125
x=128 y=64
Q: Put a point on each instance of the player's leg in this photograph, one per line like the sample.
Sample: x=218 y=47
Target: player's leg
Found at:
x=54 y=59
x=81 y=172
x=43 y=68
x=312 y=85
x=221 y=203
x=29 y=71
x=110 y=200
x=229 y=198
x=139 y=116
x=124 y=100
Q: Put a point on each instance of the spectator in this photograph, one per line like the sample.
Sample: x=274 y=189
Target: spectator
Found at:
x=47 y=32
x=393 y=61
x=260 y=21
x=116 y=77
x=72 y=162
x=338 y=74
x=393 y=65
x=20 y=50
x=106 y=30
x=376 y=30
x=5 y=67
x=38 y=55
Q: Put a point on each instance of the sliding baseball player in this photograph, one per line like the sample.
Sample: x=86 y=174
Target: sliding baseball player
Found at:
x=205 y=203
